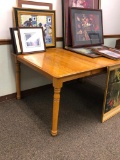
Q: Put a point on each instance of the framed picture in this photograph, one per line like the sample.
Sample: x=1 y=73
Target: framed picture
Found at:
x=15 y=40
x=31 y=39
x=66 y=4
x=87 y=51
x=33 y=4
x=111 y=53
x=111 y=104
x=25 y=17
x=86 y=27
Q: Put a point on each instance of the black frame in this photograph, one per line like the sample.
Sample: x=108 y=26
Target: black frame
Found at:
x=15 y=42
x=31 y=39
x=85 y=24
x=66 y=4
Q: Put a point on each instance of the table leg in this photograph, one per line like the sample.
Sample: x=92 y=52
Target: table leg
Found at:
x=56 y=103
x=18 y=79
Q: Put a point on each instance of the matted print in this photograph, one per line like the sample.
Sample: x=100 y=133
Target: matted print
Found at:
x=38 y=18
x=93 y=4
x=86 y=27
x=31 y=39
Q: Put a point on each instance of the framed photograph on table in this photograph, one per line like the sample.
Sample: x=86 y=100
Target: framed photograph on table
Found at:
x=111 y=53
x=15 y=40
x=87 y=51
x=25 y=17
x=86 y=27
x=31 y=39
x=111 y=104
x=66 y=4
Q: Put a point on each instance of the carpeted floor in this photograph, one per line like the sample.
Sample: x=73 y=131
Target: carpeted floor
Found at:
x=25 y=125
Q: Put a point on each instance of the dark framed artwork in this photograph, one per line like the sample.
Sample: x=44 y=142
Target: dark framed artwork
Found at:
x=87 y=51
x=31 y=39
x=86 y=27
x=111 y=104
x=15 y=40
x=66 y=4
x=26 y=17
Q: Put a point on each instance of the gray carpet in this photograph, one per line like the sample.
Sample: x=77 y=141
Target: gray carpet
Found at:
x=25 y=125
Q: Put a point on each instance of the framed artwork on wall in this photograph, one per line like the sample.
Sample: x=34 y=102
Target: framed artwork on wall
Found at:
x=111 y=104
x=31 y=39
x=66 y=4
x=86 y=27
x=25 y=17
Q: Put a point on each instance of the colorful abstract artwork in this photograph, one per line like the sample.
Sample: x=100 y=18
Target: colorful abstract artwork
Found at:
x=37 y=18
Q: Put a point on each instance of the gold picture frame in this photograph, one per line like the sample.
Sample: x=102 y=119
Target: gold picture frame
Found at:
x=111 y=105
x=26 y=17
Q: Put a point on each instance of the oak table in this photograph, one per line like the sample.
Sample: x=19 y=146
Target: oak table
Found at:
x=60 y=65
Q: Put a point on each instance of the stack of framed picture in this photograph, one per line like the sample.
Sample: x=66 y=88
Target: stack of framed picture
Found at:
x=83 y=29
x=83 y=34
x=27 y=40
x=31 y=21
x=82 y=26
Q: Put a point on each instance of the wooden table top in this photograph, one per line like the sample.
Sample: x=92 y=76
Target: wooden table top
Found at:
x=58 y=62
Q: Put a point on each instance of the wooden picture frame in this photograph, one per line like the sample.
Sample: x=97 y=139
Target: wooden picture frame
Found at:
x=111 y=105
x=33 y=4
x=31 y=39
x=86 y=27
x=40 y=18
x=66 y=4
x=15 y=40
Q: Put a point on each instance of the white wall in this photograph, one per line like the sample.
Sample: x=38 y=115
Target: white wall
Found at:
x=30 y=78
x=110 y=42
x=111 y=16
x=7 y=71
x=7 y=21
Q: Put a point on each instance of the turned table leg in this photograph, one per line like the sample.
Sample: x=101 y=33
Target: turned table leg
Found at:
x=56 y=102
x=18 y=79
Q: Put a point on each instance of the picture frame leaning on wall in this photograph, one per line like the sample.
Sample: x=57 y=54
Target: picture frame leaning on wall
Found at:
x=15 y=41
x=86 y=27
x=66 y=4
x=34 y=4
x=31 y=39
x=26 y=17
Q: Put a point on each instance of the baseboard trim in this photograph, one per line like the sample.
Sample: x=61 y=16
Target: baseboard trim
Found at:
x=24 y=93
